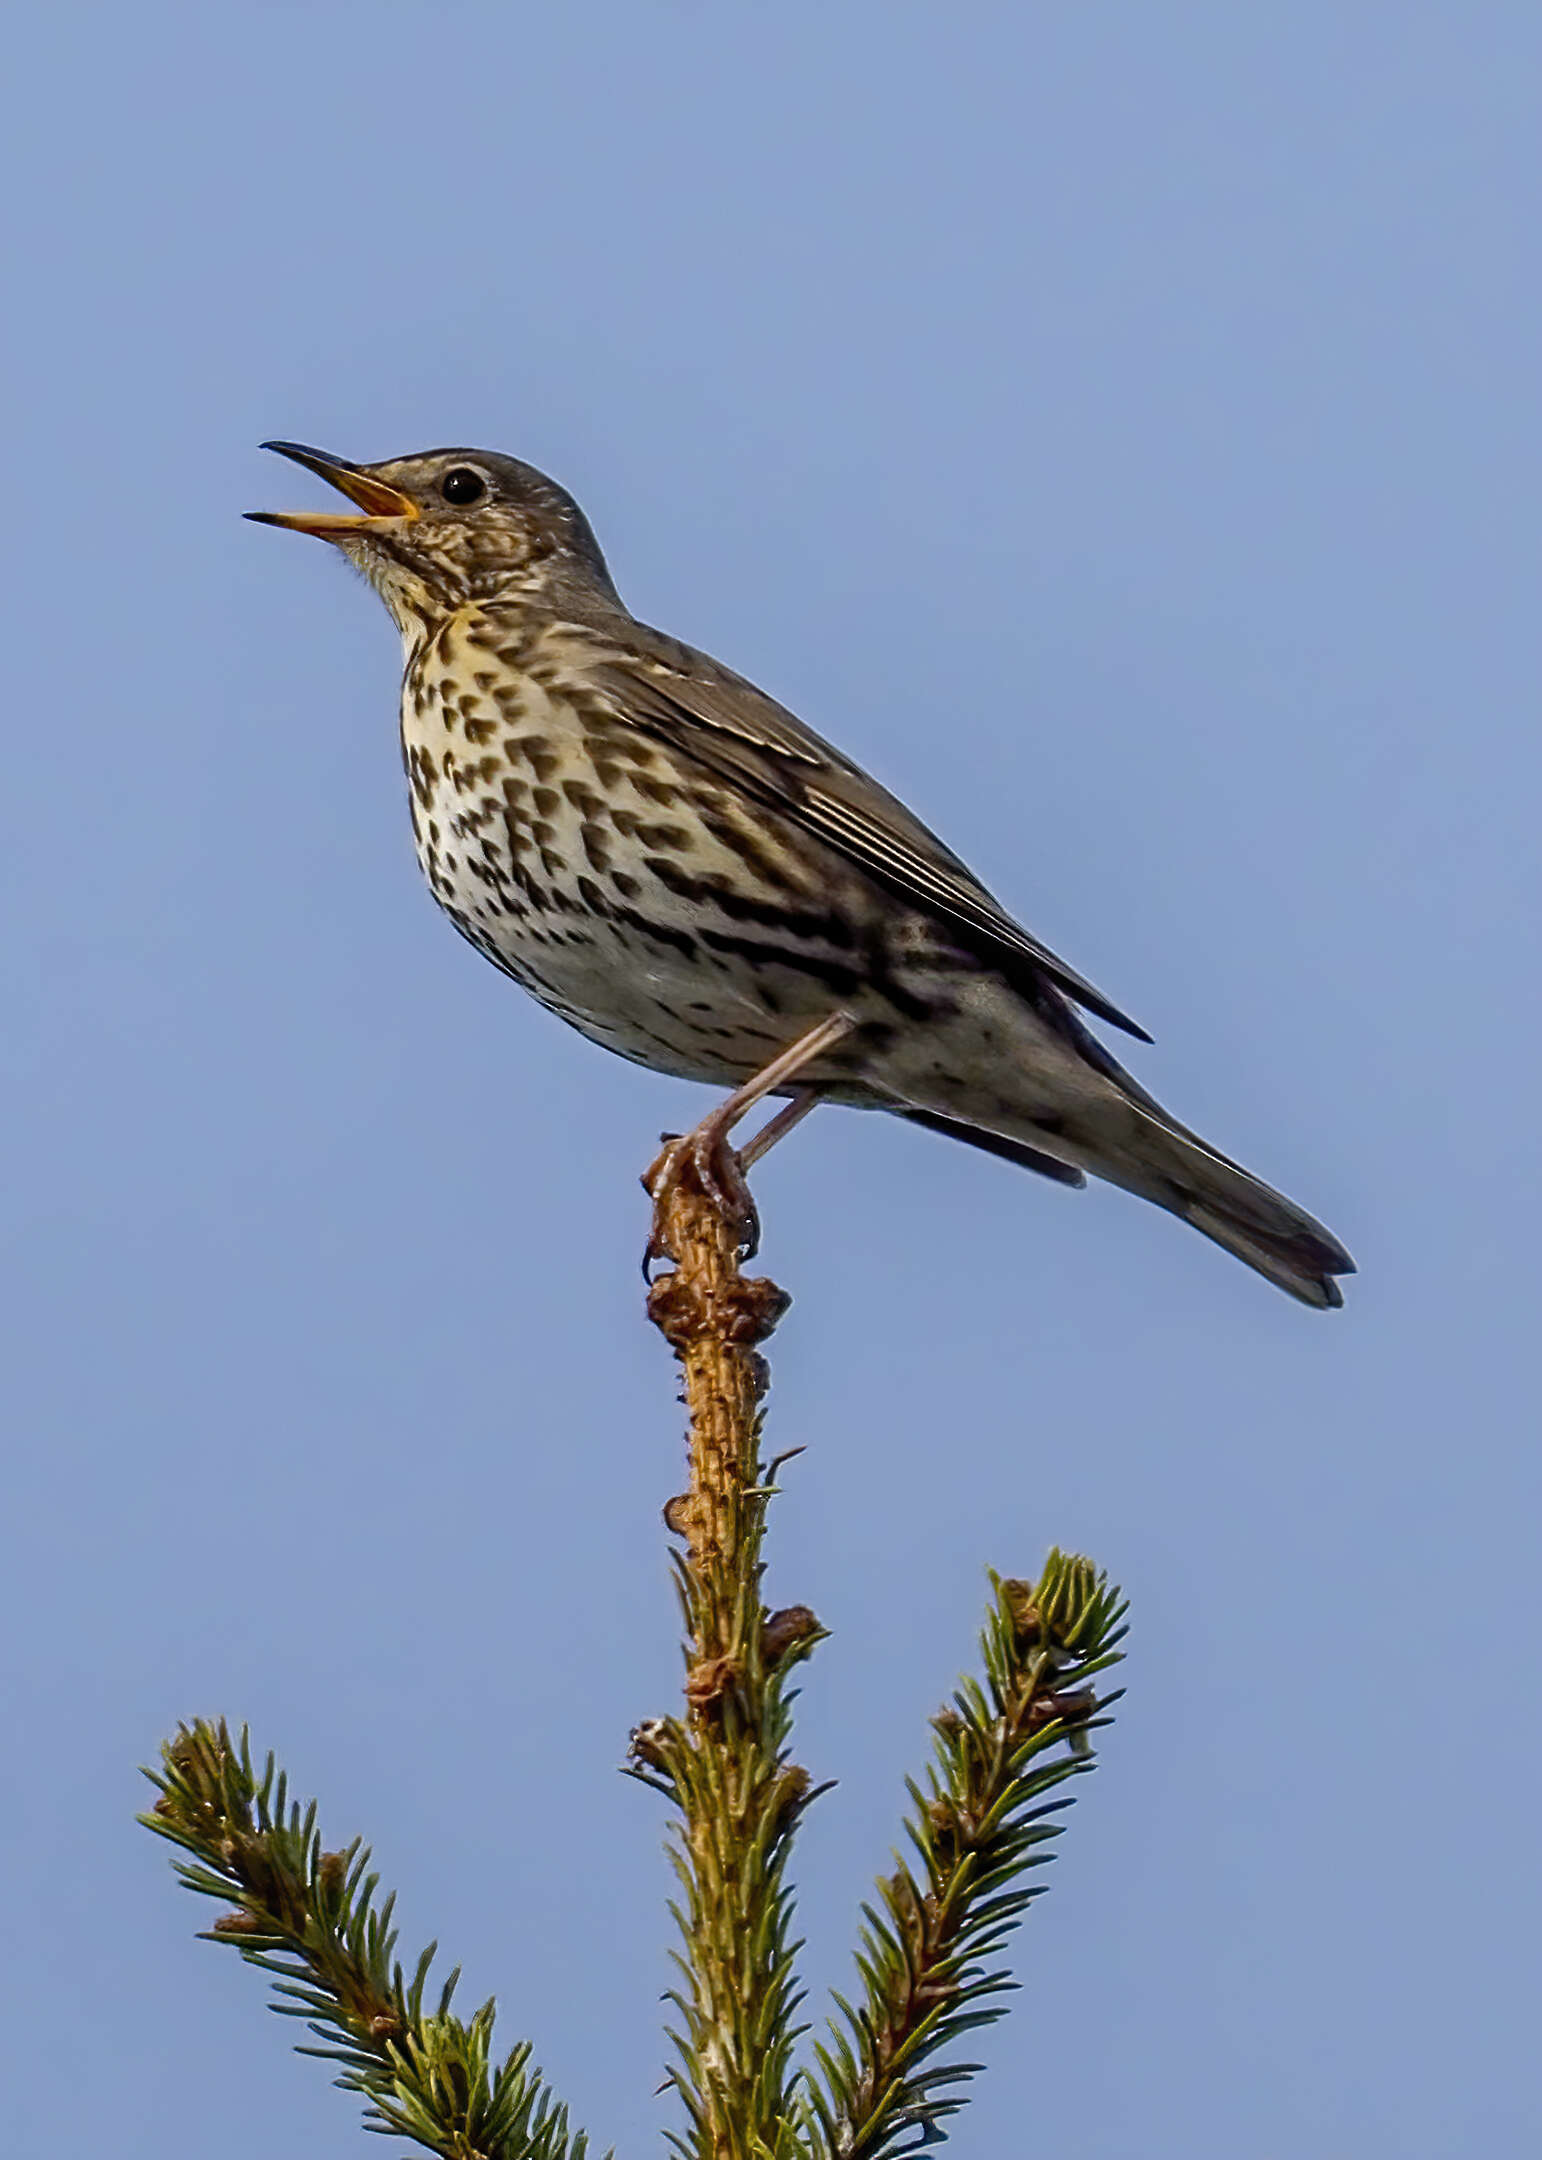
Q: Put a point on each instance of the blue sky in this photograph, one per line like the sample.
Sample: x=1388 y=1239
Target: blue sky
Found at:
x=1118 y=426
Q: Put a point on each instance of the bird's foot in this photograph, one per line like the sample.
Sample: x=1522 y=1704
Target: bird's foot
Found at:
x=707 y=1158
x=704 y=1154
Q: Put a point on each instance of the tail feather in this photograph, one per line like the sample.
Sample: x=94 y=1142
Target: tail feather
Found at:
x=1206 y=1188
x=1184 y=1174
x=1299 y=1263
x=1129 y=1139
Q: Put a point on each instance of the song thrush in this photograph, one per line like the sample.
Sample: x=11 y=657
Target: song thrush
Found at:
x=668 y=859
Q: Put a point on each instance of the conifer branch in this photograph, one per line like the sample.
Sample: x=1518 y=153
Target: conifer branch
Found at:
x=928 y=1959
x=888 y=2074
x=309 y=1918
x=725 y=1763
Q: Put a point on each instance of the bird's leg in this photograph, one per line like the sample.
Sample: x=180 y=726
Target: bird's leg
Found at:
x=777 y=1128
x=717 y=1168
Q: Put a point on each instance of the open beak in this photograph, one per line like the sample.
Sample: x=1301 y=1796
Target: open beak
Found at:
x=384 y=507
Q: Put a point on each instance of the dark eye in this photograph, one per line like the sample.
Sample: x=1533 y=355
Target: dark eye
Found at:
x=461 y=485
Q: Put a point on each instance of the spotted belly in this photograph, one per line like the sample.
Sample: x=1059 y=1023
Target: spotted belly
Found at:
x=649 y=907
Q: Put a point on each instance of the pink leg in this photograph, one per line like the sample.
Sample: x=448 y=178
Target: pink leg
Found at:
x=777 y=1128
x=718 y=1169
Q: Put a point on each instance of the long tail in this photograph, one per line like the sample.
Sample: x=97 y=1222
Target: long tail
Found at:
x=1134 y=1143
x=1227 y=1203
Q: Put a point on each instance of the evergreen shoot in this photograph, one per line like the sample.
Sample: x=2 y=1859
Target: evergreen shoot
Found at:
x=892 y=2065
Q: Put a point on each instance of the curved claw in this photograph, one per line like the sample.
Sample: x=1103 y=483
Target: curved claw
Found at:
x=719 y=1175
x=717 y=1168
x=657 y=1182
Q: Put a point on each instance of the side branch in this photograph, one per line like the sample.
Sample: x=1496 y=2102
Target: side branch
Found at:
x=309 y=1918
x=981 y=1821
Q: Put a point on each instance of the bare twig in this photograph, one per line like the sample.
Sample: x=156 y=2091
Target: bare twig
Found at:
x=713 y=1319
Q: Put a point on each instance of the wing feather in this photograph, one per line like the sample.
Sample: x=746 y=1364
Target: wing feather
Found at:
x=744 y=736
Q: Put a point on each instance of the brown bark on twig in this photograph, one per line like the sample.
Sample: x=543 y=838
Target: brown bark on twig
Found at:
x=713 y=1319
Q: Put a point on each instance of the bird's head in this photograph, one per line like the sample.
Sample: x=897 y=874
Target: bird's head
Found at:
x=435 y=531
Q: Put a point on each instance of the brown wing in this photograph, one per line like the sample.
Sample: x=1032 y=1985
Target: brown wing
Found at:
x=695 y=705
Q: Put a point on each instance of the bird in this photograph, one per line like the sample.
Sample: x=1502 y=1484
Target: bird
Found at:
x=671 y=861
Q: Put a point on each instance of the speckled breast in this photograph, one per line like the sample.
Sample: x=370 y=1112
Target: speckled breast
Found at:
x=608 y=880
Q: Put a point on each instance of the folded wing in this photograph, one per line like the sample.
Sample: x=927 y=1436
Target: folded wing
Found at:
x=745 y=737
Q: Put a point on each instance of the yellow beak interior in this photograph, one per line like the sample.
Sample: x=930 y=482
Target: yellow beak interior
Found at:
x=382 y=504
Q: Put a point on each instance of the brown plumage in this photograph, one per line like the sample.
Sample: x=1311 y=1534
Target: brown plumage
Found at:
x=668 y=859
